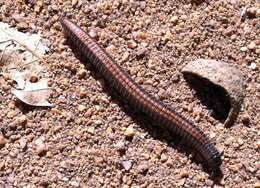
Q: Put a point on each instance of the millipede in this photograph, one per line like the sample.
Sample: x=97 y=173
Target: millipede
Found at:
x=156 y=111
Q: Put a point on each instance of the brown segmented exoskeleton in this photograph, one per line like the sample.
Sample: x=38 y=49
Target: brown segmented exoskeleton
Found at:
x=138 y=98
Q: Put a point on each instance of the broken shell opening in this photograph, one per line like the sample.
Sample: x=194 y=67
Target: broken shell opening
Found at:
x=213 y=96
x=218 y=86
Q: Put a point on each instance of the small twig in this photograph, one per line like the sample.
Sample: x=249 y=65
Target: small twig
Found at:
x=23 y=65
x=6 y=41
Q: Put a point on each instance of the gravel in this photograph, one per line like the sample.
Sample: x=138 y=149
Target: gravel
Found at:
x=70 y=145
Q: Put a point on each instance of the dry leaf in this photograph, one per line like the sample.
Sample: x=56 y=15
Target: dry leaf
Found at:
x=34 y=94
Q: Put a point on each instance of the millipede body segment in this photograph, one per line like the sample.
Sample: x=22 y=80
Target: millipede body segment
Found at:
x=137 y=97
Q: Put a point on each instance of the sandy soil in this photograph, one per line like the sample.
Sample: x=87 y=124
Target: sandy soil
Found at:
x=91 y=139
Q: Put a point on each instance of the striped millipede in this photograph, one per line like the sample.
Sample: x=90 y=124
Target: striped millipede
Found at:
x=138 y=98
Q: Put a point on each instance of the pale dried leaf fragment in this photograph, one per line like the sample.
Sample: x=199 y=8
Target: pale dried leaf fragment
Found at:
x=34 y=94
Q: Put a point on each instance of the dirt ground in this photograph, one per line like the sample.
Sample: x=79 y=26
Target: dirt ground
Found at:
x=90 y=139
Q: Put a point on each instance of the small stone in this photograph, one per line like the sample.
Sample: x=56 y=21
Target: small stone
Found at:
x=174 y=19
x=251 y=46
x=82 y=93
x=93 y=33
x=2 y=141
x=131 y=44
x=184 y=174
x=120 y=146
x=163 y=158
x=229 y=141
x=91 y=130
x=33 y=78
x=201 y=177
x=41 y=150
x=125 y=57
x=141 y=53
x=253 y=66
x=98 y=122
x=82 y=108
x=55 y=8
x=143 y=168
x=127 y=164
x=74 y=184
x=81 y=73
x=168 y=36
x=11 y=114
x=146 y=156
x=50 y=83
x=162 y=94
x=129 y=132
x=22 y=120
x=246 y=119
x=243 y=49
x=23 y=143
x=234 y=168
x=22 y=26
x=169 y=162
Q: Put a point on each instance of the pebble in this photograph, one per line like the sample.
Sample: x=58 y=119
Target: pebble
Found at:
x=253 y=66
x=22 y=26
x=125 y=57
x=243 y=49
x=129 y=132
x=163 y=158
x=143 y=168
x=127 y=164
x=74 y=184
x=93 y=33
x=22 y=120
x=234 y=168
x=23 y=143
x=162 y=94
x=246 y=119
x=81 y=73
x=120 y=146
x=91 y=130
x=33 y=78
x=11 y=114
x=82 y=93
x=41 y=150
x=251 y=46
x=2 y=141
x=184 y=174
x=174 y=19
x=82 y=108
x=131 y=44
